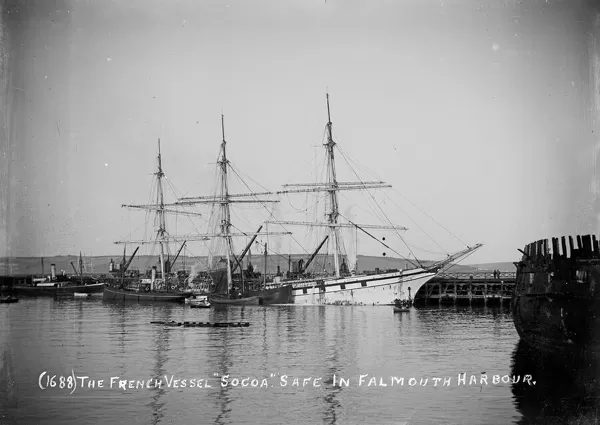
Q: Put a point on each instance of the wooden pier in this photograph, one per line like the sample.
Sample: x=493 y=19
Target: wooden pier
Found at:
x=468 y=288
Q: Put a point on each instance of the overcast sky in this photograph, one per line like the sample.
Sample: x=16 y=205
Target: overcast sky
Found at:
x=479 y=112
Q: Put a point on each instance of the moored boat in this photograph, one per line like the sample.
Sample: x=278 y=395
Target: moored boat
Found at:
x=555 y=304
x=229 y=288
x=8 y=300
x=196 y=298
x=344 y=286
x=57 y=285
x=58 y=288
x=225 y=300
x=377 y=289
x=280 y=294
x=159 y=285
x=140 y=294
x=198 y=301
x=401 y=306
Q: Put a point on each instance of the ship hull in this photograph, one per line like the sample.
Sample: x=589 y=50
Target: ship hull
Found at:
x=401 y=310
x=555 y=304
x=379 y=289
x=557 y=322
x=94 y=288
x=115 y=294
x=216 y=300
x=278 y=295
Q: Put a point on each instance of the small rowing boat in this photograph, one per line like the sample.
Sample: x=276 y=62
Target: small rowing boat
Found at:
x=8 y=300
x=402 y=306
x=198 y=301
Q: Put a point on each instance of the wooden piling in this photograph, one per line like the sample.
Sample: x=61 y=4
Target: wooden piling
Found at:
x=571 y=253
x=586 y=241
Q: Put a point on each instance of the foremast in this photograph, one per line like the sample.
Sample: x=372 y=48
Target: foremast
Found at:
x=160 y=211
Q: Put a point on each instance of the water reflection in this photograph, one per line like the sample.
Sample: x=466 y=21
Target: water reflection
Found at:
x=161 y=342
x=118 y=316
x=332 y=403
x=80 y=332
x=565 y=387
x=219 y=340
x=265 y=344
x=8 y=400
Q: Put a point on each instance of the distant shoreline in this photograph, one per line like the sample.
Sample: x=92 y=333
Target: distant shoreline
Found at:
x=100 y=264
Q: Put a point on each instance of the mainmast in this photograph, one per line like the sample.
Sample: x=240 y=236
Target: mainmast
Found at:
x=224 y=199
x=333 y=186
x=161 y=217
x=226 y=217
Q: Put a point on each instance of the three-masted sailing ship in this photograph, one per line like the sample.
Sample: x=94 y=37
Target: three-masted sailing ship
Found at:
x=157 y=284
x=345 y=287
x=244 y=287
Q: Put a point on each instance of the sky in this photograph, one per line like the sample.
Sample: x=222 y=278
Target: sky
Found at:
x=482 y=114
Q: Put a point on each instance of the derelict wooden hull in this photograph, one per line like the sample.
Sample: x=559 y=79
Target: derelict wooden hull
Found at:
x=555 y=303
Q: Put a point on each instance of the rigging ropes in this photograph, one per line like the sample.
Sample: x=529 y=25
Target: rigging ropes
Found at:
x=357 y=165
x=374 y=200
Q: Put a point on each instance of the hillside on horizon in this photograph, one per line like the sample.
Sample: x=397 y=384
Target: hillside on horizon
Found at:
x=100 y=264
x=504 y=266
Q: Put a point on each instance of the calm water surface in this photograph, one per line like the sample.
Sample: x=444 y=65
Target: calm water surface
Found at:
x=102 y=340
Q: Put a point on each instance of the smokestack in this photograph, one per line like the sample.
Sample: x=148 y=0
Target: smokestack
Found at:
x=52 y=271
x=153 y=277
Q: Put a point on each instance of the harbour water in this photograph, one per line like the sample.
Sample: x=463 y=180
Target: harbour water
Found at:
x=45 y=341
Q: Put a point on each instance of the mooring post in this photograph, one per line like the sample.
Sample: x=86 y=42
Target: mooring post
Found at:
x=485 y=288
x=470 y=293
